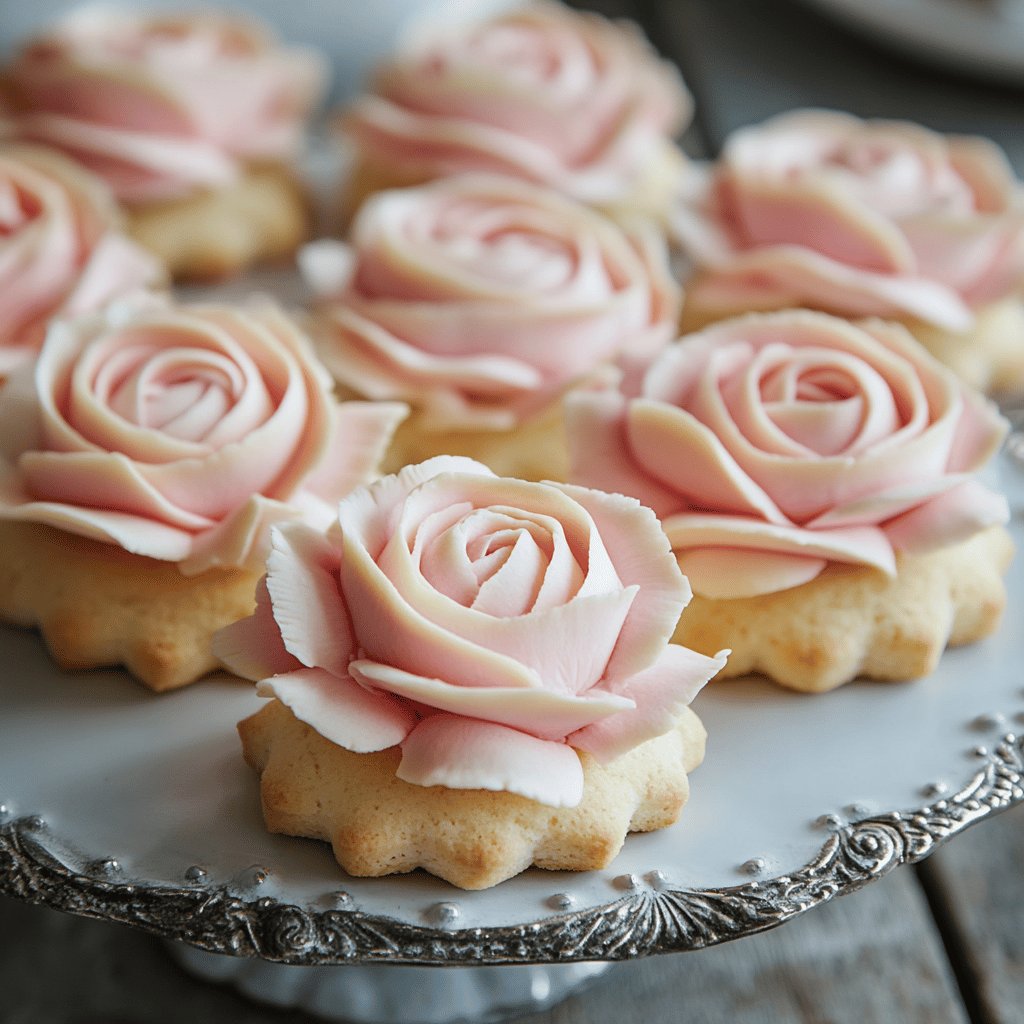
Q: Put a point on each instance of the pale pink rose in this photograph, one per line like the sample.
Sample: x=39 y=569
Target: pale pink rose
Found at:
x=773 y=444
x=543 y=93
x=480 y=298
x=161 y=105
x=181 y=432
x=858 y=218
x=487 y=626
x=61 y=249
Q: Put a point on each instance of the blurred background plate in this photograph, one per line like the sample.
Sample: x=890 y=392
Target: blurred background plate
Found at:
x=980 y=37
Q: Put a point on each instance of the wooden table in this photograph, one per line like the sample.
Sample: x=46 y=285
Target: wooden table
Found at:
x=940 y=943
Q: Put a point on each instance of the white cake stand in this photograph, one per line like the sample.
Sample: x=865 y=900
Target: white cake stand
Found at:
x=118 y=804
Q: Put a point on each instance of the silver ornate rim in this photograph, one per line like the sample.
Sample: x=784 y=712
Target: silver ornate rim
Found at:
x=651 y=917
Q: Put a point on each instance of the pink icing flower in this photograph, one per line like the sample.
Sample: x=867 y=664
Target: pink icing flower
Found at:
x=774 y=444
x=61 y=251
x=181 y=433
x=544 y=93
x=482 y=298
x=161 y=105
x=485 y=625
x=858 y=218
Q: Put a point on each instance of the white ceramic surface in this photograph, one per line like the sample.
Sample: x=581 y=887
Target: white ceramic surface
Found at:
x=983 y=37
x=158 y=783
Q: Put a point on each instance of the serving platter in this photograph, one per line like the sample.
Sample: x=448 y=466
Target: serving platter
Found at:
x=980 y=37
x=119 y=804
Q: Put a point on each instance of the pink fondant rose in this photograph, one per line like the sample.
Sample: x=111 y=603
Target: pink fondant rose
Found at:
x=481 y=299
x=487 y=626
x=161 y=105
x=61 y=251
x=544 y=93
x=774 y=444
x=862 y=218
x=181 y=433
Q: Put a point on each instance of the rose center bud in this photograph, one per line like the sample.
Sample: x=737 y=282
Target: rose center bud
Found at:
x=521 y=53
x=491 y=560
x=191 y=394
x=826 y=407
x=17 y=208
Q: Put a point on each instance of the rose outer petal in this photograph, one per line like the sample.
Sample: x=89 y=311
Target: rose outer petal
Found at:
x=341 y=710
x=746 y=572
x=253 y=648
x=948 y=518
x=459 y=753
x=660 y=692
x=543 y=713
x=302 y=579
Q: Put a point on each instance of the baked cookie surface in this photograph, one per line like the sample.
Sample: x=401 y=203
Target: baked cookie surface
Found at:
x=264 y=216
x=379 y=825
x=853 y=621
x=97 y=604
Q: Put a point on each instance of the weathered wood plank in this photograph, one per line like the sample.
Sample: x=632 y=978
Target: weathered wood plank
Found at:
x=978 y=883
x=749 y=59
x=870 y=957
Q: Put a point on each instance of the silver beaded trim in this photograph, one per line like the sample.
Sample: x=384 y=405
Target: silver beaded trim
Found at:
x=650 y=916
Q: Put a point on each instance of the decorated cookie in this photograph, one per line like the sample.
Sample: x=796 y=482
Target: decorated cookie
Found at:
x=471 y=674
x=479 y=300
x=816 y=481
x=542 y=93
x=142 y=462
x=192 y=119
x=865 y=218
x=62 y=251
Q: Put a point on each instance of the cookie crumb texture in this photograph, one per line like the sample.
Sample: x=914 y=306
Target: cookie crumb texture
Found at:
x=96 y=604
x=380 y=825
x=264 y=216
x=852 y=622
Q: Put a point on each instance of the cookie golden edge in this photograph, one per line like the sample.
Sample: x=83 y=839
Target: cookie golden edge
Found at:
x=378 y=824
x=853 y=622
x=262 y=217
x=98 y=605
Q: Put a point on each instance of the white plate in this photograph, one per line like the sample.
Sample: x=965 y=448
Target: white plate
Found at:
x=983 y=37
x=110 y=795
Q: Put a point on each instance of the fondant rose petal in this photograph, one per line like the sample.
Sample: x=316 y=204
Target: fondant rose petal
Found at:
x=660 y=692
x=599 y=453
x=543 y=712
x=642 y=557
x=948 y=518
x=253 y=648
x=746 y=572
x=682 y=453
x=241 y=539
x=447 y=750
x=865 y=545
x=302 y=579
x=361 y=434
x=133 y=533
x=341 y=710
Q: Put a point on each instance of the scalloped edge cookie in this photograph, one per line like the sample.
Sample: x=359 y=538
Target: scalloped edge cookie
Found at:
x=536 y=449
x=379 y=825
x=855 y=622
x=97 y=604
x=264 y=216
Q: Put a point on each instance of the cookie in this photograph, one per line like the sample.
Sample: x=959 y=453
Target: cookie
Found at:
x=535 y=450
x=854 y=621
x=379 y=825
x=97 y=604
x=264 y=216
